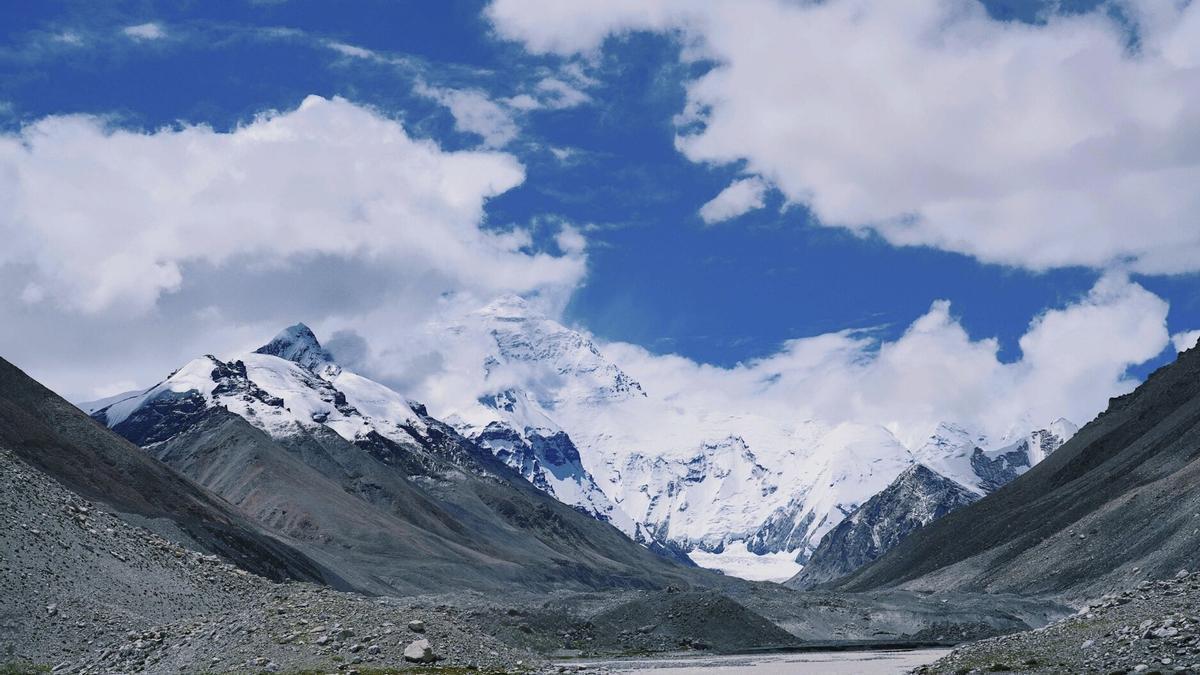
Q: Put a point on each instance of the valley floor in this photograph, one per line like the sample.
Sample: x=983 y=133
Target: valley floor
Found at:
x=82 y=590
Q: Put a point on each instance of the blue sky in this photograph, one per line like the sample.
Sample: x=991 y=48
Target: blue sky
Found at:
x=657 y=275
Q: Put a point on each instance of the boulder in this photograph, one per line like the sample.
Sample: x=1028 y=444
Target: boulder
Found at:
x=419 y=651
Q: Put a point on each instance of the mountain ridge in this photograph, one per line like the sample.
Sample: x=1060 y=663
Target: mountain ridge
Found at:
x=58 y=439
x=742 y=481
x=1113 y=505
x=315 y=452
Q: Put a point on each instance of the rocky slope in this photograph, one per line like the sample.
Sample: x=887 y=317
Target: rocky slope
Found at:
x=1152 y=627
x=916 y=498
x=368 y=483
x=86 y=591
x=921 y=495
x=41 y=428
x=1114 y=504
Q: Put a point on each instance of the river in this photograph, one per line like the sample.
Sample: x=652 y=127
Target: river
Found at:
x=872 y=662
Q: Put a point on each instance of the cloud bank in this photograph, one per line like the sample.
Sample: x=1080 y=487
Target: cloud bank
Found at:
x=329 y=178
x=136 y=249
x=930 y=123
x=1073 y=359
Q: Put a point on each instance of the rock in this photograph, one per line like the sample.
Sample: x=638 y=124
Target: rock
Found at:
x=1087 y=644
x=416 y=626
x=1181 y=574
x=419 y=651
x=373 y=649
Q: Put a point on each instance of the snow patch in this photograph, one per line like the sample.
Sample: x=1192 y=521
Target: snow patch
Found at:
x=737 y=561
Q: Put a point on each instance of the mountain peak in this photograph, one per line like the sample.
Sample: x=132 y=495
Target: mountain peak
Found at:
x=509 y=307
x=298 y=344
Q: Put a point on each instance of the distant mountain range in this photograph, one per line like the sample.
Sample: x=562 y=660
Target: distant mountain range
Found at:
x=748 y=494
x=368 y=483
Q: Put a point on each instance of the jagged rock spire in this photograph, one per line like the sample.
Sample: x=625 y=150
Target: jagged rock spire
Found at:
x=298 y=344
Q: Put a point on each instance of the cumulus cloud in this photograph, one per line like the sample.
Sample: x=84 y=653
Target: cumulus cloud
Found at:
x=327 y=178
x=158 y=246
x=935 y=371
x=741 y=196
x=931 y=123
x=1185 y=340
x=145 y=31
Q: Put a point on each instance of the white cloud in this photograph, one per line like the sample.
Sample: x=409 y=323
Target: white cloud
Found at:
x=1073 y=359
x=1185 y=340
x=932 y=124
x=741 y=196
x=329 y=178
x=563 y=154
x=145 y=31
x=352 y=51
x=127 y=253
x=474 y=113
x=570 y=240
x=69 y=38
x=558 y=95
x=934 y=372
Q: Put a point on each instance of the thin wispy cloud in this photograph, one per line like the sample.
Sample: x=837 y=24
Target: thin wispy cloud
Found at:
x=145 y=31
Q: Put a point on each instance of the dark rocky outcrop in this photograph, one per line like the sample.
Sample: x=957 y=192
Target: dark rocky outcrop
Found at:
x=916 y=498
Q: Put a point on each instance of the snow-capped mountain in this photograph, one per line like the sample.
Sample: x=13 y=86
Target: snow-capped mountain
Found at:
x=916 y=498
x=285 y=387
x=955 y=453
x=734 y=489
x=921 y=495
x=292 y=385
x=390 y=498
x=737 y=489
x=546 y=457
